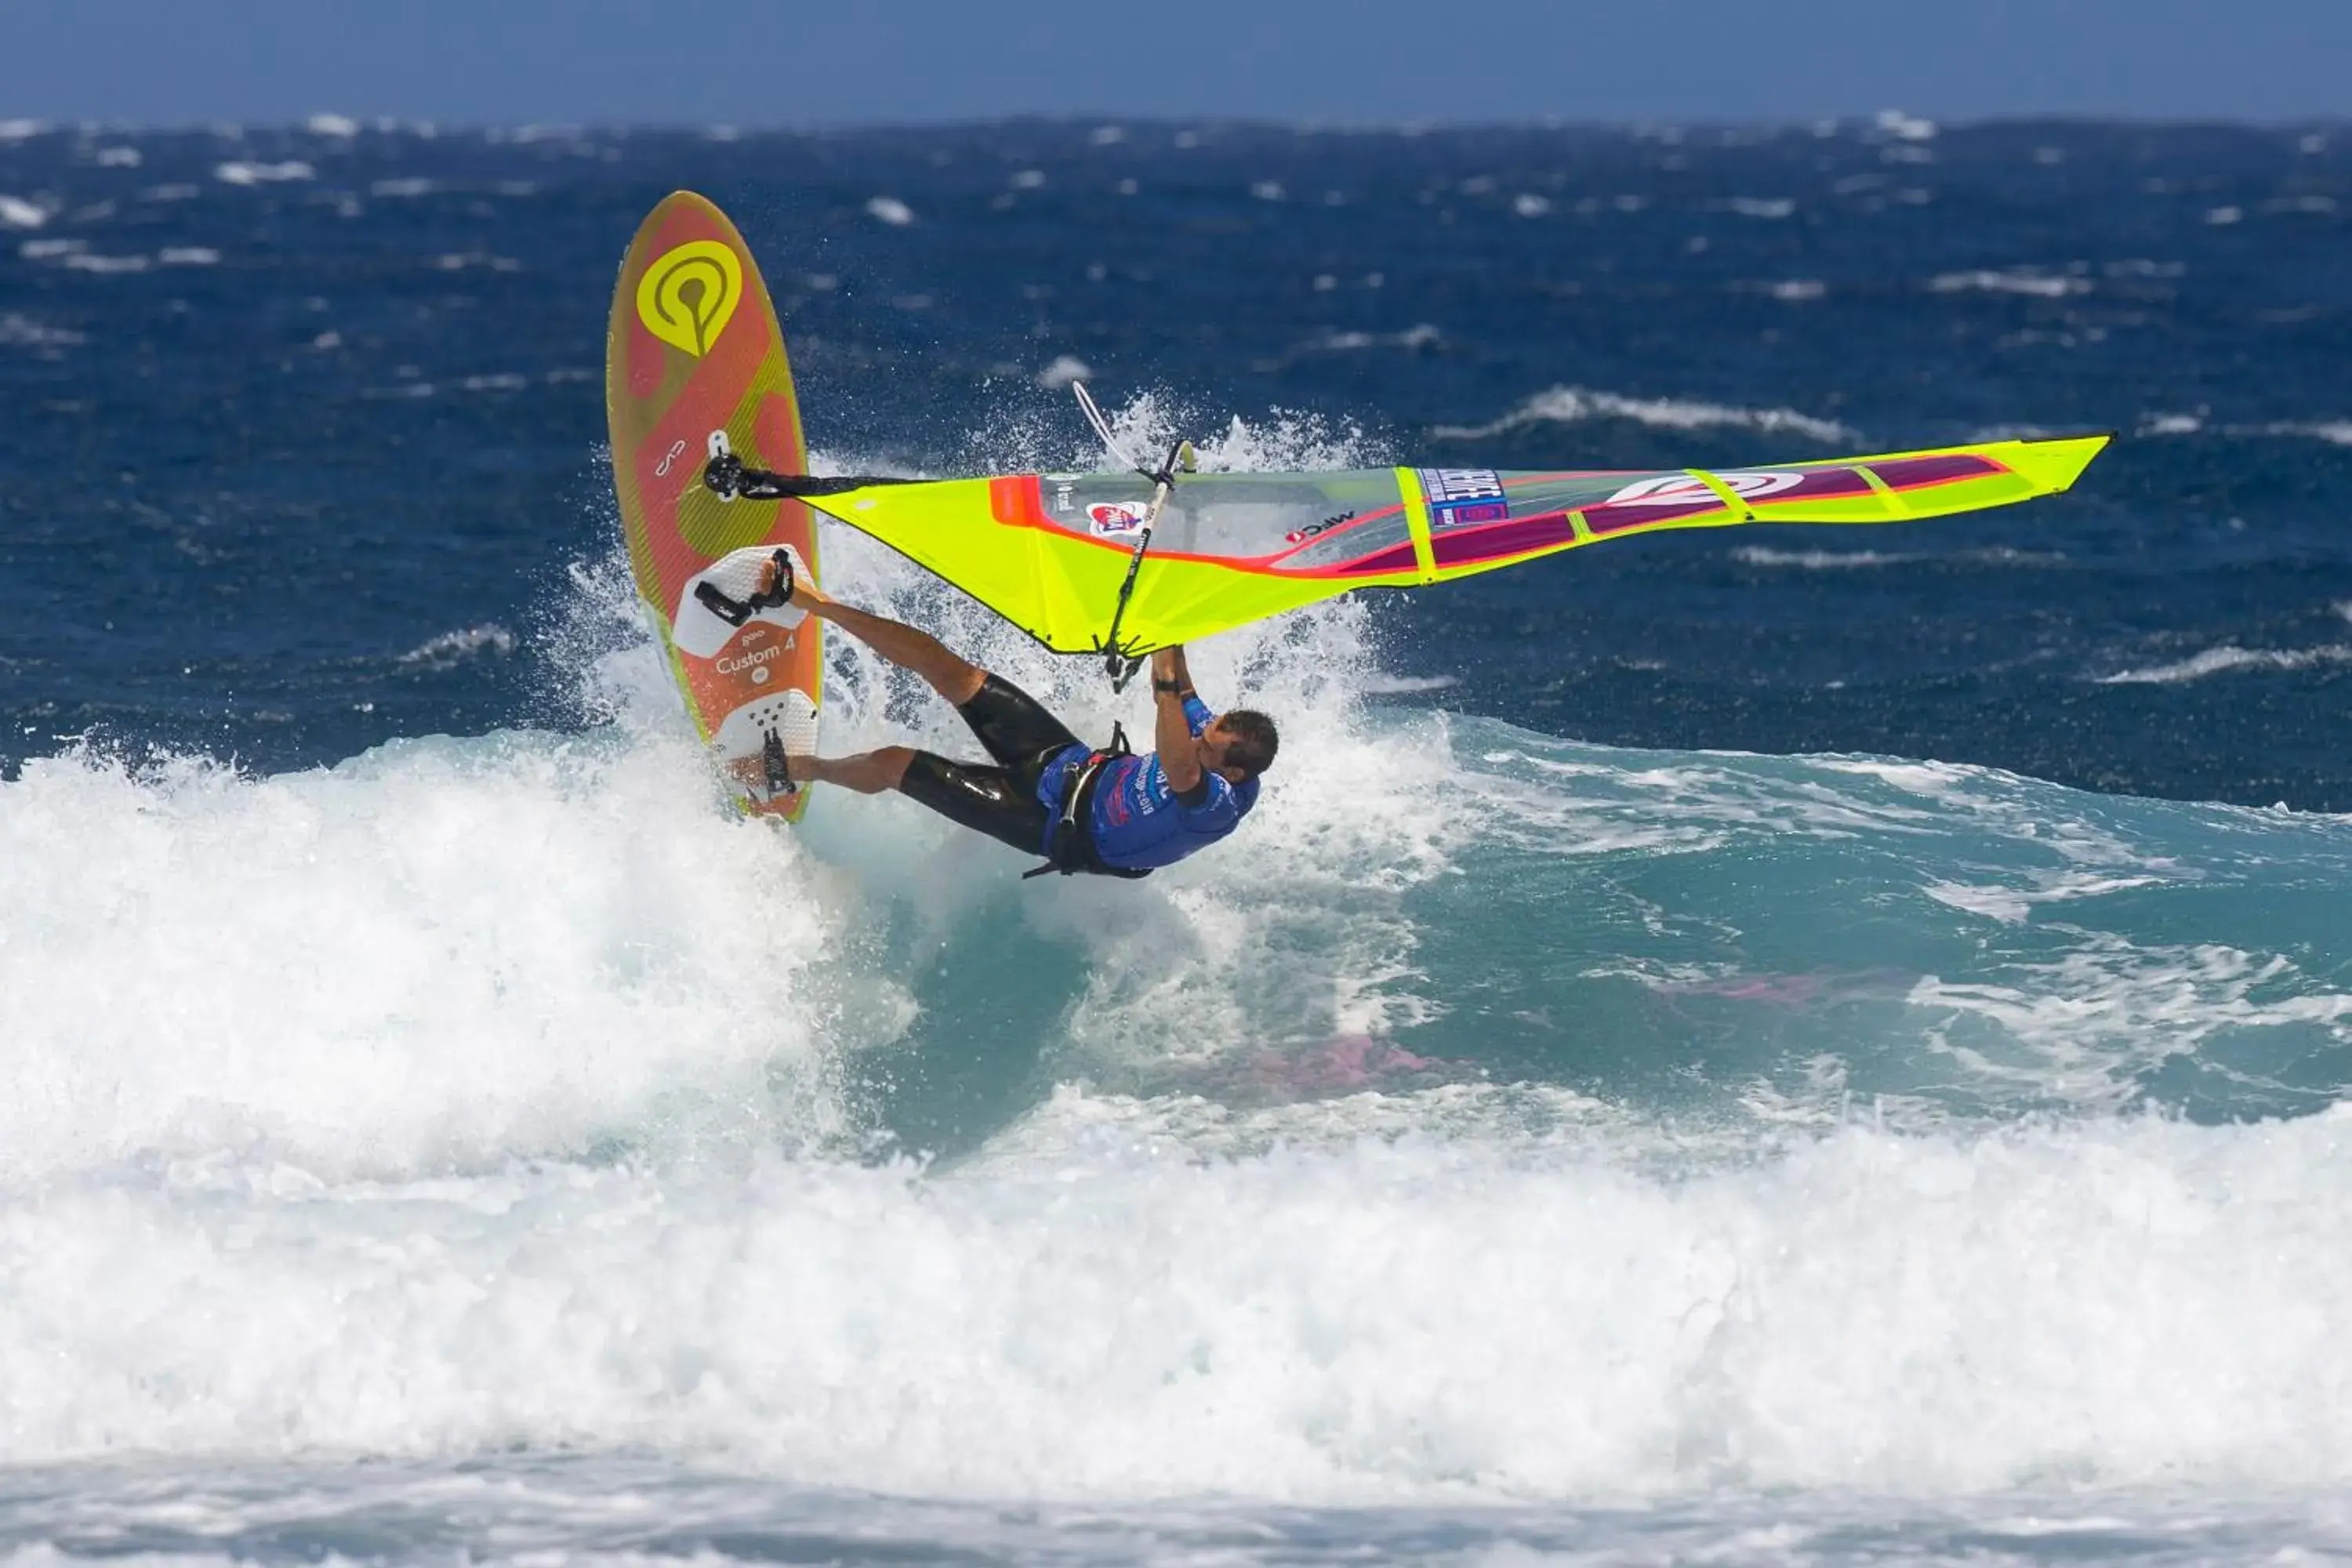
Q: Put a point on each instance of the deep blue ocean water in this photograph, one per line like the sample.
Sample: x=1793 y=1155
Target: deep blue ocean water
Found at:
x=1799 y=1044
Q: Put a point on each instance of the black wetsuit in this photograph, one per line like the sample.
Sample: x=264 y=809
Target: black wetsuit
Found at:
x=999 y=801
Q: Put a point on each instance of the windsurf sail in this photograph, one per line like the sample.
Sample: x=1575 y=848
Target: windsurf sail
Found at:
x=1050 y=551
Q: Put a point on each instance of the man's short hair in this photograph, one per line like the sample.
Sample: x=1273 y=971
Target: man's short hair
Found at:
x=1250 y=740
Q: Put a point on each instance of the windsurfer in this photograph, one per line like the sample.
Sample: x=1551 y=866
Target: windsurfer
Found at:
x=1110 y=812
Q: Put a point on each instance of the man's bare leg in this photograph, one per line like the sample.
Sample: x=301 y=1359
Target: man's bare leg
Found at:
x=869 y=773
x=953 y=677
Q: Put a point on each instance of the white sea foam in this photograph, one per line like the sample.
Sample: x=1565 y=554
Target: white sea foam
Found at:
x=23 y=332
x=83 y=261
x=1820 y=559
x=1572 y=405
x=2336 y=431
x=15 y=212
x=1905 y=127
x=2011 y=280
x=2062 y=1026
x=256 y=174
x=890 y=210
x=457 y=648
x=399 y=965
x=1391 y=1321
x=2227 y=657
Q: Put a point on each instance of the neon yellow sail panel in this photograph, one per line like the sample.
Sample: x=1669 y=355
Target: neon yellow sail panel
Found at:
x=1047 y=551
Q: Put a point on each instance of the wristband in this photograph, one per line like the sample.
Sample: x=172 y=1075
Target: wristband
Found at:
x=1174 y=686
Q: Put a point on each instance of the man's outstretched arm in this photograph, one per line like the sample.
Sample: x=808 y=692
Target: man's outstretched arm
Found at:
x=1171 y=733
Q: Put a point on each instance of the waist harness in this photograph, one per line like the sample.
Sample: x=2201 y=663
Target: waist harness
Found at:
x=1071 y=849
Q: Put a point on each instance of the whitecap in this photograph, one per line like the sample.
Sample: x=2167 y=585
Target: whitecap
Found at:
x=1572 y=405
x=81 y=261
x=2011 y=281
x=336 y=125
x=15 y=212
x=189 y=255
x=1818 y=560
x=455 y=647
x=2337 y=432
x=890 y=210
x=17 y=330
x=2230 y=656
x=248 y=173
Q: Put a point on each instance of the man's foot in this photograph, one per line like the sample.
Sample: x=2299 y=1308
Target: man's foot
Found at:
x=774 y=773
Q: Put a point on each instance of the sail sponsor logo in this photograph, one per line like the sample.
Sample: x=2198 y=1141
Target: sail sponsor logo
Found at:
x=1460 y=497
x=1315 y=530
x=1116 y=517
x=689 y=293
x=1681 y=490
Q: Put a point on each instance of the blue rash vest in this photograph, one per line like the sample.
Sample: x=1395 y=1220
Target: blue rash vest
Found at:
x=1138 y=822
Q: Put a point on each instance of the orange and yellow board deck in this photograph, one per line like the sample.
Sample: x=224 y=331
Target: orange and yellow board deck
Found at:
x=694 y=348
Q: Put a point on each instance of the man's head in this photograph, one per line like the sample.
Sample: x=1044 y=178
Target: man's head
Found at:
x=1238 y=745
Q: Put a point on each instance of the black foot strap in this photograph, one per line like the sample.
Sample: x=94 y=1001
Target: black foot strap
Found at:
x=735 y=612
x=776 y=765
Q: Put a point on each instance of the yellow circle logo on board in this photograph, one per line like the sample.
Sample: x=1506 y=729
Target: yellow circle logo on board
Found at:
x=687 y=296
